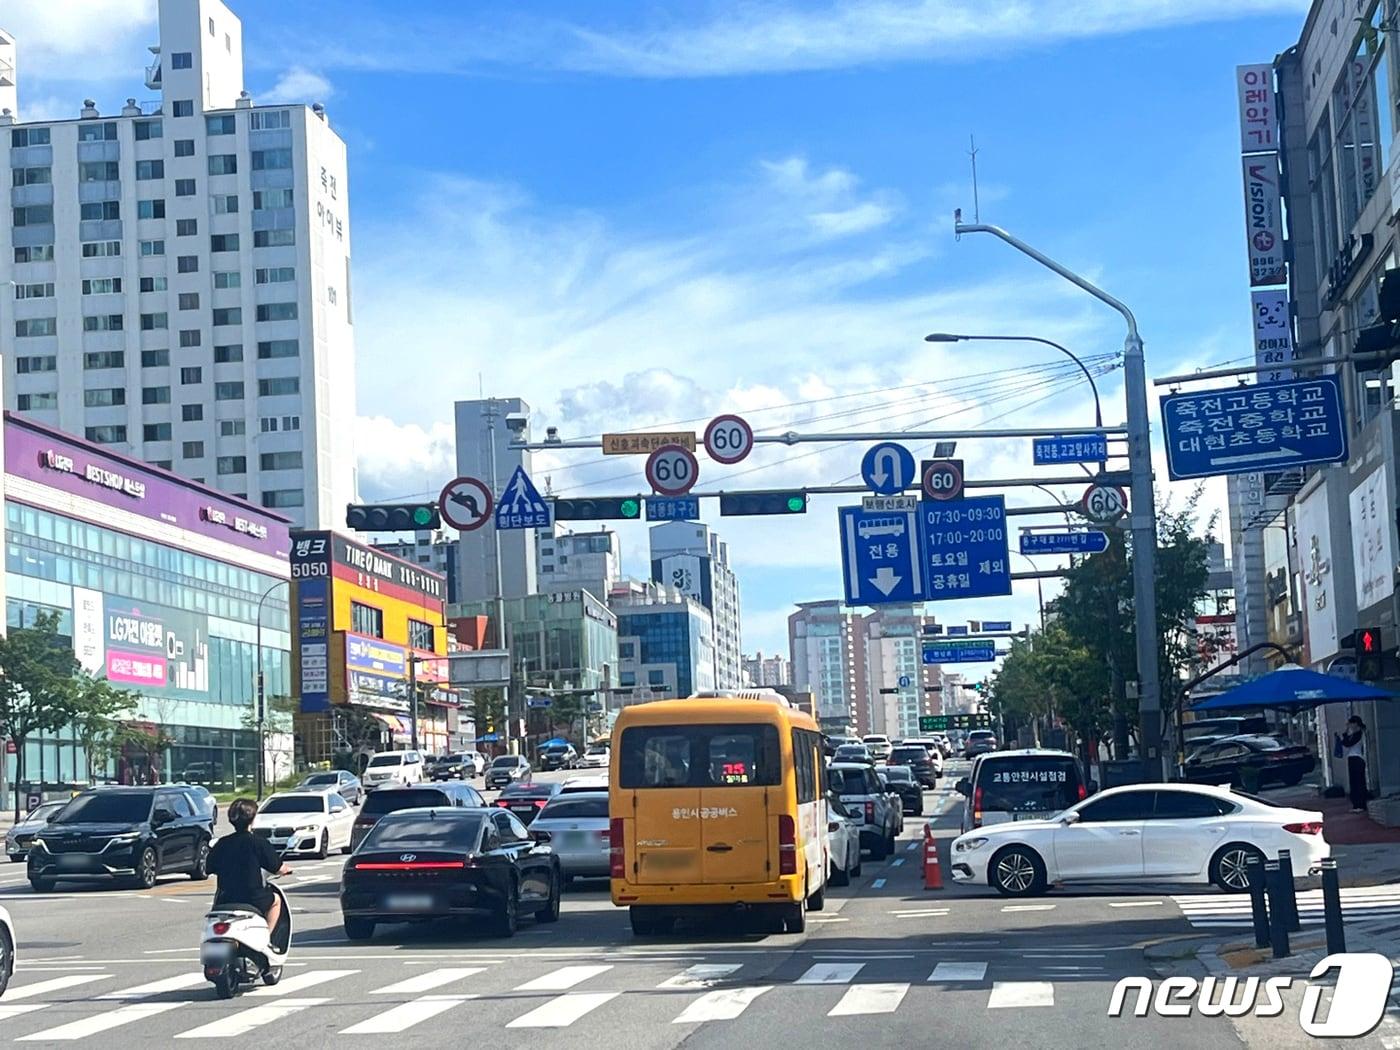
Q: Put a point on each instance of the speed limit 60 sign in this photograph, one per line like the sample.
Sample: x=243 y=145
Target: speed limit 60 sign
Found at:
x=943 y=478
x=728 y=439
x=1104 y=504
x=672 y=470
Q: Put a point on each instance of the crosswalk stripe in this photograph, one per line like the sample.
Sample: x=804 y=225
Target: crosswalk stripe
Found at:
x=167 y=984
x=102 y=1022
x=1009 y=994
x=870 y=999
x=8 y=1010
x=562 y=979
x=723 y=1005
x=831 y=973
x=700 y=975
x=563 y=1011
x=56 y=984
x=959 y=971
x=245 y=1021
x=406 y=1015
x=302 y=980
x=426 y=982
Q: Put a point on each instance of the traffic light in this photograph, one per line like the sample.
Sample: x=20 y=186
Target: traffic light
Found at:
x=1369 y=665
x=790 y=502
x=596 y=509
x=391 y=517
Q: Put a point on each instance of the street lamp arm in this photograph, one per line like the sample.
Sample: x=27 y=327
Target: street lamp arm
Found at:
x=939 y=337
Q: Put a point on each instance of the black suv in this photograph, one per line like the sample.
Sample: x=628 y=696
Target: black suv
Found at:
x=136 y=833
x=916 y=758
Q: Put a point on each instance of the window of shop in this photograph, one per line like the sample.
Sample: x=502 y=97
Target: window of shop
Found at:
x=420 y=635
x=365 y=619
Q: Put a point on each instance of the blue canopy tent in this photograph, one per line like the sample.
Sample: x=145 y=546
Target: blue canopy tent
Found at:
x=1292 y=686
x=554 y=740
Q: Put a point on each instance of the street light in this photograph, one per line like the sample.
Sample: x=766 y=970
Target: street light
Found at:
x=262 y=705
x=948 y=337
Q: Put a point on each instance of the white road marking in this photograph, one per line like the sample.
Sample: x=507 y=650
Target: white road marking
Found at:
x=959 y=971
x=911 y=847
x=1133 y=904
x=7 y=1011
x=54 y=984
x=870 y=999
x=826 y=918
x=168 y=984
x=878 y=884
x=426 y=982
x=302 y=980
x=921 y=911
x=102 y=1022
x=896 y=862
x=245 y=1021
x=1028 y=907
x=562 y=979
x=700 y=976
x=723 y=1005
x=830 y=973
x=564 y=1010
x=1012 y=994
x=406 y=1015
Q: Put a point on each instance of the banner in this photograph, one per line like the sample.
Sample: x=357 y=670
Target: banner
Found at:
x=1263 y=220
x=1258 y=118
x=158 y=649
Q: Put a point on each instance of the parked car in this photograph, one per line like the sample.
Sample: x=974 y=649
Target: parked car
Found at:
x=306 y=822
x=874 y=811
x=902 y=781
x=136 y=833
x=478 y=865
x=525 y=798
x=1266 y=759
x=1031 y=784
x=596 y=756
x=7 y=950
x=878 y=744
x=842 y=841
x=344 y=783
x=388 y=768
x=558 y=756
x=979 y=742
x=1141 y=833
x=577 y=823
x=917 y=758
x=854 y=753
x=20 y=835
x=457 y=765
x=445 y=795
x=1226 y=725
x=506 y=768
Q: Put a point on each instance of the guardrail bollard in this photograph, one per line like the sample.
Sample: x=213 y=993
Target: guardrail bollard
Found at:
x=1278 y=919
x=1259 y=909
x=1290 y=890
x=1332 y=907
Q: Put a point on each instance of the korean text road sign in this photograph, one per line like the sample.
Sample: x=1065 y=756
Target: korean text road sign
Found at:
x=887 y=468
x=957 y=629
x=1071 y=541
x=1104 y=504
x=728 y=439
x=965 y=547
x=520 y=505
x=644 y=444
x=678 y=508
x=996 y=625
x=942 y=723
x=1088 y=448
x=885 y=504
x=960 y=651
x=880 y=557
x=942 y=478
x=1265 y=427
x=672 y=470
x=466 y=504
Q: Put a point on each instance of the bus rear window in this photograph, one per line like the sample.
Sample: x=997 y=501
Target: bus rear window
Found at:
x=700 y=756
x=1029 y=784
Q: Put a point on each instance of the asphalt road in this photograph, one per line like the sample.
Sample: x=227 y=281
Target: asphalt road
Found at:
x=887 y=963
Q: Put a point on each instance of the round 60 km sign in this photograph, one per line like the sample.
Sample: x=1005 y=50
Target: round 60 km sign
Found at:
x=728 y=439
x=943 y=480
x=1104 y=504
x=672 y=470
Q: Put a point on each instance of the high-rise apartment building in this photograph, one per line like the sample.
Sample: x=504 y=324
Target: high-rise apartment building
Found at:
x=485 y=431
x=688 y=556
x=760 y=670
x=175 y=277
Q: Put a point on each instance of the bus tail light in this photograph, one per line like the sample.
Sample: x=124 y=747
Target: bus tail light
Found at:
x=617 y=865
x=870 y=813
x=787 y=845
x=977 y=808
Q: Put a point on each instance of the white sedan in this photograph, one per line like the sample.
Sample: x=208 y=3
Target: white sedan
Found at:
x=307 y=822
x=7 y=950
x=1141 y=833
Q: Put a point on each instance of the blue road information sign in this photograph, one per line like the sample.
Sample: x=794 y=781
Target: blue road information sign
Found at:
x=537 y=702
x=965 y=548
x=880 y=557
x=677 y=508
x=520 y=505
x=904 y=681
x=1073 y=541
x=966 y=651
x=1265 y=427
x=888 y=468
x=1087 y=448
x=996 y=625
x=956 y=630
x=933 y=628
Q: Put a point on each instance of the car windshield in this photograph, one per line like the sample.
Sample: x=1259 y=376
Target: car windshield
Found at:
x=380 y=802
x=899 y=773
x=386 y=760
x=556 y=748
x=981 y=734
x=46 y=811
x=107 y=807
x=295 y=804
x=575 y=808
x=598 y=749
x=848 y=781
x=526 y=788
x=1028 y=784
x=441 y=831
x=504 y=761
x=909 y=754
x=321 y=778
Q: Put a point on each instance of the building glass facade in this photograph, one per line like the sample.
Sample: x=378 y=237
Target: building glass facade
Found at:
x=665 y=651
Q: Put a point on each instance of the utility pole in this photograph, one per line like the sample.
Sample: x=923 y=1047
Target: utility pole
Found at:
x=412 y=701
x=499 y=612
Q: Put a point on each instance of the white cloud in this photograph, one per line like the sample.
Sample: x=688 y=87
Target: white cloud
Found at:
x=403 y=459
x=69 y=50
x=299 y=85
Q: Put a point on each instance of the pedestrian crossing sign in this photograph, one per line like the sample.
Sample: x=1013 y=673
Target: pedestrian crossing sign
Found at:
x=520 y=505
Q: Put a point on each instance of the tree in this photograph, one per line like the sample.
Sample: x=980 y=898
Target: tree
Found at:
x=99 y=717
x=39 y=686
x=488 y=710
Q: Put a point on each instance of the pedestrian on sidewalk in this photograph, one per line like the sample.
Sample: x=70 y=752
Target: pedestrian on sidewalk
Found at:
x=1353 y=742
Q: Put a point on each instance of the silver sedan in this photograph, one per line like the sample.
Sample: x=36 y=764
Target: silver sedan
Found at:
x=578 y=832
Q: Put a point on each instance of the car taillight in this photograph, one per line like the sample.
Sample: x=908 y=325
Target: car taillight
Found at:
x=977 y=808
x=221 y=928
x=540 y=803
x=502 y=803
x=787 y=845
x=617 y=867
x=413 y=865
x=1311 y=827
x=1083 y=792
x=870 y=813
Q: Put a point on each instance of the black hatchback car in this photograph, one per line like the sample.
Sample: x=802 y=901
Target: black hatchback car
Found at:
x=423 y=865
x=135 y=833
x=916 y=757
x=525 y=798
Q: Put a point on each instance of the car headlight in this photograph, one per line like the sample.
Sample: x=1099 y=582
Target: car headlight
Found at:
x=965 y=845
x=125 y=839
x=305 y=828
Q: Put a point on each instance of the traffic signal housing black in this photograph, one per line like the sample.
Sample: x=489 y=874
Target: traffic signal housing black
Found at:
x=793 y=501
x=597 y=509
x=392 y=517
x=1370 y=664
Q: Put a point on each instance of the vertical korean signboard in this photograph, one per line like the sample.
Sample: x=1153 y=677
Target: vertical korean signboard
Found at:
x=311 y=570
x=1259 y=162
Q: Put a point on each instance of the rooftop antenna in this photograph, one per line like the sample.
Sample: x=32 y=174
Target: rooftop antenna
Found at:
x=972 y=155
x=480 y=386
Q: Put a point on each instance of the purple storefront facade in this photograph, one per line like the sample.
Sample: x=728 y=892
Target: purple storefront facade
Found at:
x=160 y=583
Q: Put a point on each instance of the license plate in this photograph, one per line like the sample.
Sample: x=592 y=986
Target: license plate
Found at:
x=522 y=809
x=409 y=902
x=574 y=838
x=215 y=952
x=71 y=863
x=1028 y=816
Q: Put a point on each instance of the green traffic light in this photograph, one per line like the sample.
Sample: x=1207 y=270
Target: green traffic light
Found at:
x=422 y=515
x=796 y=504
x=629 y=508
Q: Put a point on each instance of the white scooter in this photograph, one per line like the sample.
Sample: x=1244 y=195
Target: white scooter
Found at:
x=238 y=948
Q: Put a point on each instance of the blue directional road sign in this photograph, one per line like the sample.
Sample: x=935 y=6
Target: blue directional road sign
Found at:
x=520 y=505
x=967 y=651
x=965 y=548
x=961 y=629
x=996 y=625
x=1086 y=448
x=888 y=468
x=880 y=556
x=1265 y=427
x=534 y=702
x=904 y=681
x=1074 y=541
x=677 y=508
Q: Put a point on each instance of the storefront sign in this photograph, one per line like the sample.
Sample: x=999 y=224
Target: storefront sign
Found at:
x=51 y=459
x=1258 y=118
x=324 y=554
x=1263 y=220
x=373 y=654
x=236 y=522
x=1373 y=550
x=1314 y=534
x=157 y=648
x=89 y=645
x=1273 y=334
x=313 y=643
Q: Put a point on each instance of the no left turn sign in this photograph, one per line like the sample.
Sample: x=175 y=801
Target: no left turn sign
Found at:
x=466 y=504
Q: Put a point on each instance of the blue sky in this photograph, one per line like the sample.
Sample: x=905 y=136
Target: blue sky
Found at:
x=637 y=213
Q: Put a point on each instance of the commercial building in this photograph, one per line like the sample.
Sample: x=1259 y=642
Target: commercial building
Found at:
x=165 y=587
x=760 y=670
x=665 y=642
x=569 y=561
x=485 y=430
x=180 y=276
x=370 y=629
x=428 y=550
x=690 y=557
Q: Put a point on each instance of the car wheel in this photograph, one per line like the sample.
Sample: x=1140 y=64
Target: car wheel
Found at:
x=1229 y=868
x=646 y=923
x=1017 y=871
x=271 y=976
x=509 y=920
x=889 y=844
x=147 y=868
x=200 y=871
x=855 y=868
x=358 y=929
x=795 y=917
x=324 y=848
x=839 y=876
x=7 y=960
x=550 y=912
x=877 y=851
x=817 y=901
x=226 y=984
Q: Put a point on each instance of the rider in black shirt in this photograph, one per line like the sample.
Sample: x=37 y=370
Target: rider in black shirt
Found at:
x=239 y=861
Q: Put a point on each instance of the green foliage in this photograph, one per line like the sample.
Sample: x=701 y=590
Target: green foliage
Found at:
x=99 y=721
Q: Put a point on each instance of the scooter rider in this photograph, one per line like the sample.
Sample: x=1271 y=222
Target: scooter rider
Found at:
x=239 y=860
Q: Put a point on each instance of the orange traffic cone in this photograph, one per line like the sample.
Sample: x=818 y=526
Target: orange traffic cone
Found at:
x=933 y=874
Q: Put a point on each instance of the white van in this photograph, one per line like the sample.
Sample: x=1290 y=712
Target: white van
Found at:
x=392 y=769
x=879 y=746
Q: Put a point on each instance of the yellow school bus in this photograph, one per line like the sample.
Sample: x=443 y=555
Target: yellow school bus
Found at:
x=717 y=802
